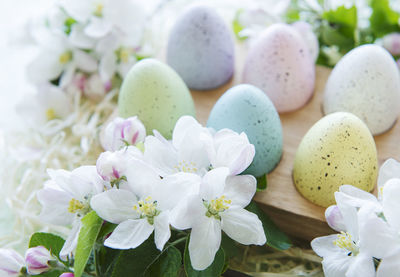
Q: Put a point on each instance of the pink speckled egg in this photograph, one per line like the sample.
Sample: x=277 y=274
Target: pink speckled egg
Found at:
x=280 y=64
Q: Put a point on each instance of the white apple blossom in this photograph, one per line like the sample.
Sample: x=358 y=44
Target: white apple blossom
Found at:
x=117 y=56
x=11 y=263
x=143 y=207
x=60 y=59
x=102 y=16
x=345 y=254
x=231 y=150
x=218 y=206
x=196 y=149
x=37 y=260
x=123 y=132
x=112 y=166
x=334 y=218
x=382 y=230
x=48 y=103
x=65 y=200
x=187 y=152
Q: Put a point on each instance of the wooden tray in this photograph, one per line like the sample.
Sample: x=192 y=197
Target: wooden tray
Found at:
x=291 y=212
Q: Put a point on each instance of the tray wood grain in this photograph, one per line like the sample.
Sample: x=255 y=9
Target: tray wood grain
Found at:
x=291 y=212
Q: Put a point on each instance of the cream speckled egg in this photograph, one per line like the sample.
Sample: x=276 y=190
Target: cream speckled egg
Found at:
x=156 y=94
x=365 y=82
x=280 y=64
x=338 y=149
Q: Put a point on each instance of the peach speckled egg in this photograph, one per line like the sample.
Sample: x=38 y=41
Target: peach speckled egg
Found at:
x=280 y=64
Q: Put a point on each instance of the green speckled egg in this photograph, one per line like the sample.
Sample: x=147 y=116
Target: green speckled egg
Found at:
x=156 y=94
x=339 y=149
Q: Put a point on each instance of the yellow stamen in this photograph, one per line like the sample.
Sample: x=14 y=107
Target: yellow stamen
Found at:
x=75 y=206
x=147 y=208
x=345 y=241
x=124 y=55
x=188 y=167
x=216 y=206
x=65 y=57
x=98 y=11
x=50 y=114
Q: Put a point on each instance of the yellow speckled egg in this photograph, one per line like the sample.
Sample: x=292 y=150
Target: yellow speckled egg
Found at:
x=338 y=149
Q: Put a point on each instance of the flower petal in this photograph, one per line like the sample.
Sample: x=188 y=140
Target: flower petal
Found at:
x=72 y=240
x=161 y=155
x=98 y=27
x=141 y=177
x=129 y=234
x=243 y=226
x=185 y=214
x=336 y=265
x=391 y=202
x=389 y=266
x=361 y=266
x=334 y=218
x=324 y=246
x=162 y=232
x=205 y=240
x=85 y=61
x=181 y=184
x=213 y=183
x=389 y=169
x=115 y=205
x=184 y=124
x=240 y=189
x=55 y=205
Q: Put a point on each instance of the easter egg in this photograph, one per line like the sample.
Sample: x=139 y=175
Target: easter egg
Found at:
x=201 y=48
x=245 y=108
x=365 y=82
x=156 y=94
x=337 y=150
x=311 y=40
x=279 y=63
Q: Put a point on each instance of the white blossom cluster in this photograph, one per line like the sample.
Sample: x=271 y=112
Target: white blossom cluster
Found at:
x=147 y=184
x=369 y=241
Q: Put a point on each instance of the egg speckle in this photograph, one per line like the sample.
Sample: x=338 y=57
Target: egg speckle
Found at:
x=245 y=108
x=337 y=150
x=365 y=82
x=280 y=64
x=156 y=94
x=201 y=48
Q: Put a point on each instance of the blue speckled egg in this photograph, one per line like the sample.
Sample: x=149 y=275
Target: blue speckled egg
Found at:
x=246 y=108
x=201 y=48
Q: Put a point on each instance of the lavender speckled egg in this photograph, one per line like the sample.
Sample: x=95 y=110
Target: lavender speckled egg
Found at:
x=246 y=108
x=201 y=48
x=365 y=82
x=337 y=150
x=311 y=40
x=280 y=64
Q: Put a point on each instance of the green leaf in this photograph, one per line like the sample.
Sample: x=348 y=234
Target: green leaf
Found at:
x=214 y=270
x=236 y=26
x=135 y=262
x=262 y=183
x=51 y=242
x=105 y=259
x=167 y=264
x=383 y=19
x=339 y=28
x=275 y=237
x=91 y=225
x=229 y=246
x=292 y=12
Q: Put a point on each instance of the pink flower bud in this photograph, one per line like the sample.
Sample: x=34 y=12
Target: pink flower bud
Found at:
x=334 y=218
x=67 y=274
x=11 y=263
x=37 y=260
x=392 y=43
x=122 y=132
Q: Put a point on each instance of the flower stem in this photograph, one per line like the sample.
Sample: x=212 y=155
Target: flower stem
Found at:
x=178 y=241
